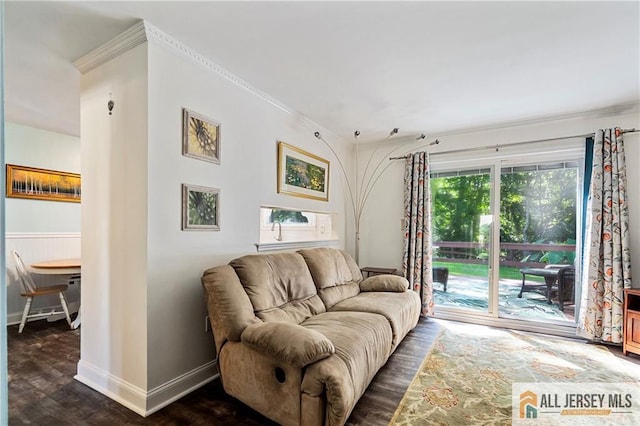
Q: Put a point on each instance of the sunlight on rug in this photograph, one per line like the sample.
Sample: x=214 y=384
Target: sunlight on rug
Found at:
x=466 y=379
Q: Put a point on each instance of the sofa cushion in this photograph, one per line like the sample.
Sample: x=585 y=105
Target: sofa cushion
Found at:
x=402 y=310
x=279 y=286
x=362 y=344
x=288 y=342
x=334 y=272
x=385 y=282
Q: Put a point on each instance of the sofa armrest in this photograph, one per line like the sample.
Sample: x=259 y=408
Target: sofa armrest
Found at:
x=289 y=342
x=392 y=283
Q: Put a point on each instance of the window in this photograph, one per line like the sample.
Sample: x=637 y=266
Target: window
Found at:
x=282 y=227
x=288 y=218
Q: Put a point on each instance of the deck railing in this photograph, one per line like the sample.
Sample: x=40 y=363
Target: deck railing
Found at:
x=511 y=254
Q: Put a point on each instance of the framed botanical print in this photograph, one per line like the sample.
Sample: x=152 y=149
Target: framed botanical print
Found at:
x=200 y=137
x=200 y=208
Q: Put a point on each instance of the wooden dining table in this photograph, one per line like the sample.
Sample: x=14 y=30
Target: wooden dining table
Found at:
x=58 y=266
x=70 y=267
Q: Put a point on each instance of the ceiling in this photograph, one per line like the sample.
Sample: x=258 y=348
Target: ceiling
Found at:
x=428 y=67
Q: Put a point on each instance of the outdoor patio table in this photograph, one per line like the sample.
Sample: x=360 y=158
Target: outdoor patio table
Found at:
x=550 y=277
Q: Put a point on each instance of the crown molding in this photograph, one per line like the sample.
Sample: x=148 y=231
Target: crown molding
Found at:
x=115 y=47
x=143 y=31
x=154 y=34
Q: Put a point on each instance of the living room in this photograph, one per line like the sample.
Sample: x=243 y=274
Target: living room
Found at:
x=143 y=338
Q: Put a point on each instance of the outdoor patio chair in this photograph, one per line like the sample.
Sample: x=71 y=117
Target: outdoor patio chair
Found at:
x=559 y=279
x=441 y=275
x=566 y=285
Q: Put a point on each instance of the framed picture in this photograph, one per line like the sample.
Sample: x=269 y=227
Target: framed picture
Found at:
x=302 y=174
x=42 y=184
x=200 y=137
x=200 y=208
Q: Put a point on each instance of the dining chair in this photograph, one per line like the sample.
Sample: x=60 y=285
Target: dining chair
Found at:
x=31 y=290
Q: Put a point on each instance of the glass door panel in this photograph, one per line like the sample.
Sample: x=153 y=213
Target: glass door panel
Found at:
x=538 y=241
x=461 y=223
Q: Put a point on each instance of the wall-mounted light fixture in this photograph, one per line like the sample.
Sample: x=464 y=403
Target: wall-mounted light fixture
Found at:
x=110 y=104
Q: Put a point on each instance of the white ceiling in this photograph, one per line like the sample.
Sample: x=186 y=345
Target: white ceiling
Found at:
x=420 y=66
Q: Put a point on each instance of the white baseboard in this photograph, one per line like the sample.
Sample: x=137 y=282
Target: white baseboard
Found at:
x=115 y=388
x=175 y=389
x=138 y=400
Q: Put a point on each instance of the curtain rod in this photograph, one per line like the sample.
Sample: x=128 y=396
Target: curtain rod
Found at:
x=497 y=146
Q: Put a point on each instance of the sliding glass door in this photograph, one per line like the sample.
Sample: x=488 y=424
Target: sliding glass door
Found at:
x=504 y=239
x=461 y=222
x=538 y=222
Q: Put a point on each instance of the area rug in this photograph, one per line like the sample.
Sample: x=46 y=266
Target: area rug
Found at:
x=467 y=377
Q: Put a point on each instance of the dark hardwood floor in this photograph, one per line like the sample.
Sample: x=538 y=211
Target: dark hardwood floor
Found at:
x=42 y=391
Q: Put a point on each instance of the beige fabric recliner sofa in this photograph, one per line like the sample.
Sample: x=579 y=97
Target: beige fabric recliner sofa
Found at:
x=299 y=336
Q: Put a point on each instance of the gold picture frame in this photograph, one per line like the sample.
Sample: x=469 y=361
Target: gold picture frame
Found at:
x=302 y=174
x=200 y=137
x=42 y=184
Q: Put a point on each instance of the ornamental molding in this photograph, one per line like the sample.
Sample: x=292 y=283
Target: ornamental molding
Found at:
x=143 y=32
x=115 y=47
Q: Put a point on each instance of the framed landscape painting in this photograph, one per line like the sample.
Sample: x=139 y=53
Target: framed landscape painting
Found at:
x=302 y=174
x=200 y=208
x=42 y=184
x=200 y=137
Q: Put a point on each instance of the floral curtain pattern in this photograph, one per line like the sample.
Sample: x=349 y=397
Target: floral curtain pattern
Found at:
x=607 y=260
x=416 y=259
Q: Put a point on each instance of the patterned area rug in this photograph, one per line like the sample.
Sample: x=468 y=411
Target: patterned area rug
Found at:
x=466 y=379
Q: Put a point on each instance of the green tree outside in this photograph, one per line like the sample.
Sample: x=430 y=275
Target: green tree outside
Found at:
x=536 y=207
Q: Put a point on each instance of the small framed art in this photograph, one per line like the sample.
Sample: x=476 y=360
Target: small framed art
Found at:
x=200 y=137
x=200 y=208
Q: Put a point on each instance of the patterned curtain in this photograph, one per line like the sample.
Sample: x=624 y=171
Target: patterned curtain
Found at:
x=416 y=259
x=607 y=260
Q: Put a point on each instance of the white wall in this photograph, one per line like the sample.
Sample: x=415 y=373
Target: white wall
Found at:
x=381 y=235
x=143 y=333
x=632 y=151
x=28 y=146
x=246 y=177
x=113 y=344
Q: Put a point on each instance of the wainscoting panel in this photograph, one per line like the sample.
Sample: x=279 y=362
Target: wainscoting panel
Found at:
x=36 y=247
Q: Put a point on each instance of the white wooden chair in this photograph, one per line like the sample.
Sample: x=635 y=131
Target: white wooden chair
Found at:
x=31 y=290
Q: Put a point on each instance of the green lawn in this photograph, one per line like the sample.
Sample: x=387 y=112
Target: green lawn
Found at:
x=478 y=270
